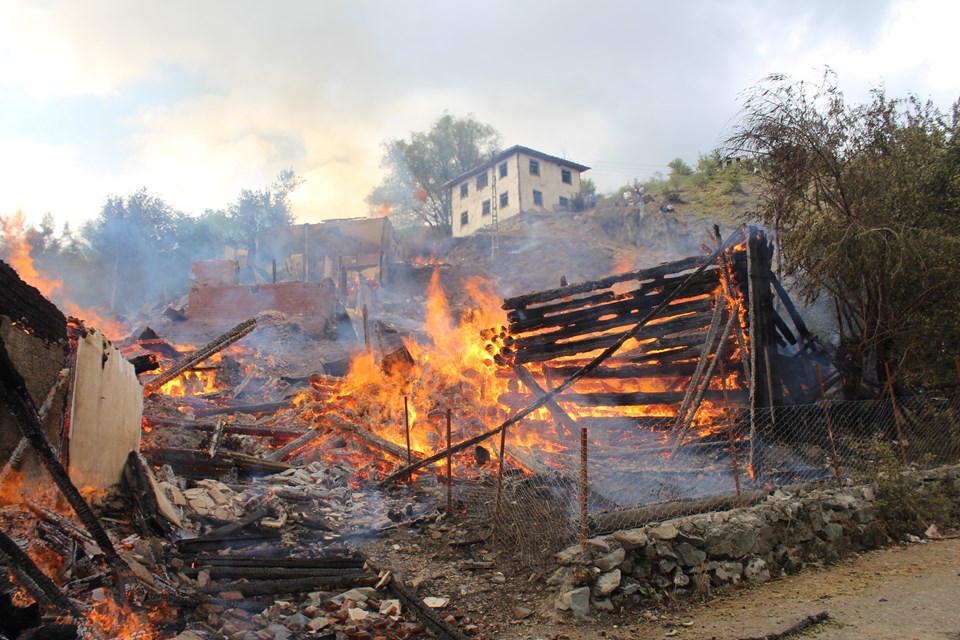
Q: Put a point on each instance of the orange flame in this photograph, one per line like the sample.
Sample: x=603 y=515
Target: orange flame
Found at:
x=18 y=256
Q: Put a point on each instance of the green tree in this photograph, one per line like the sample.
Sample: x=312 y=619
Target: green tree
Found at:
x=254 y=211
x=679 y=168
x=865 y=201
x=417 y=169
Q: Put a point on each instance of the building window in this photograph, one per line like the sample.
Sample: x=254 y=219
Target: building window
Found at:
x=534 y=167
x=504 y=199
x=464 y=219
x=566 y=176
x=464 y=189
x=537 y=198
x=482 y=180
x=486 y=207
x=564 y=202
x=503 y=170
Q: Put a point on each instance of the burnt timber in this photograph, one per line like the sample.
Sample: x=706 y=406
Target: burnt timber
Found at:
x=554 y=331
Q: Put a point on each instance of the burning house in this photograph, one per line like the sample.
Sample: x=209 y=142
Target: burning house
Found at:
x=254 y=495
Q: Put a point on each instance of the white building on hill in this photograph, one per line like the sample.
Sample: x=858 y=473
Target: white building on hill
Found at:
x=519 y=179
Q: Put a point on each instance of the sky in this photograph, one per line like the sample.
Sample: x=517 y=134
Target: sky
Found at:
x=195 y=101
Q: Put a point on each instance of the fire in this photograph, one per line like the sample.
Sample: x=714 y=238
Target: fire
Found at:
x=18 y=257
x=16 y=489
x=109 y=619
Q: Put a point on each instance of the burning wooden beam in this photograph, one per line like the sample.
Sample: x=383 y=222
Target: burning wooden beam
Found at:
x=215 y=346
x=41 y=587
x=569 y=382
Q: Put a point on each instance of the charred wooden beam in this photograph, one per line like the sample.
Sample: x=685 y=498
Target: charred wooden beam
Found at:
x=292 y=585
x=215 y=346
x=199 y=464
x=600 y=322
x=369 y=438
x=628 y=399
x=262 y=407
x=426 y=615
x=147 y=511
x=261 y=431
x=653 y=273
x=342 y=561
x=632 y=302
x=530 y=383
x=575 y=347
x=220 y=572
x=566 y=384
x=229 y=530
x=294 y=446
x=144 y=363
x=32 y=578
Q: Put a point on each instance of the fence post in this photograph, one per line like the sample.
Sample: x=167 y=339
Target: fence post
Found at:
x=583 y=488
x=496 y=505
x=826 y=414
x=449 y=466
x=406 y=427
x=896 y=416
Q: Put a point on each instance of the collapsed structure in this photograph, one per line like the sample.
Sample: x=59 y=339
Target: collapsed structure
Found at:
x=252 y=482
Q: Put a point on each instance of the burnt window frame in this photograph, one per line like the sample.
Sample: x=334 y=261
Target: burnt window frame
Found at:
x=566 y=176
x=464 y=189
x=537 y=198
x=534 y=167
x=483 y=179
x=464 y=219
x=564 y=202
x=502 y=169
x=485 y=208
x=505 y=199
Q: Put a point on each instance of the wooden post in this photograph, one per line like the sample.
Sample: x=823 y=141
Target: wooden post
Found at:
x=496 y=504
x=366 y=330
x=584 y=525
x=752 y=344
x=733 y=461
x=406 y=426
x=449 y=466
x=896 y=416
x=826 y=414
x=306 y=256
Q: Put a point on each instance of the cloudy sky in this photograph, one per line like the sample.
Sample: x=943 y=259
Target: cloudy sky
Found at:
x=197 y=100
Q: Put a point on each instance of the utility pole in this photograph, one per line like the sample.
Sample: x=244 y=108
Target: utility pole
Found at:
x=494 y=207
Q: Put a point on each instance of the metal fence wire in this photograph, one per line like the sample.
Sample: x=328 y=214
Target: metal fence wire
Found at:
x=627 y=486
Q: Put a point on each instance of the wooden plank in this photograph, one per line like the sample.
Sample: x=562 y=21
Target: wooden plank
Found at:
x=105 y=413
x=653 y=273
x=556 y=350
x=627 y=399
x=572 y=311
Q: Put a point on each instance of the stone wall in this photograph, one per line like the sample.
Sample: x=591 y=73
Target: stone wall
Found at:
x=702 y=552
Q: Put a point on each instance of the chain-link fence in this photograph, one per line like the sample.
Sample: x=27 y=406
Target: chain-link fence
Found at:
x=725 y=461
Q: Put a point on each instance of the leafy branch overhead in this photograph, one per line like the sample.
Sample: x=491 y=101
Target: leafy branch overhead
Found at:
x=865 y=200
x=416 y=170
